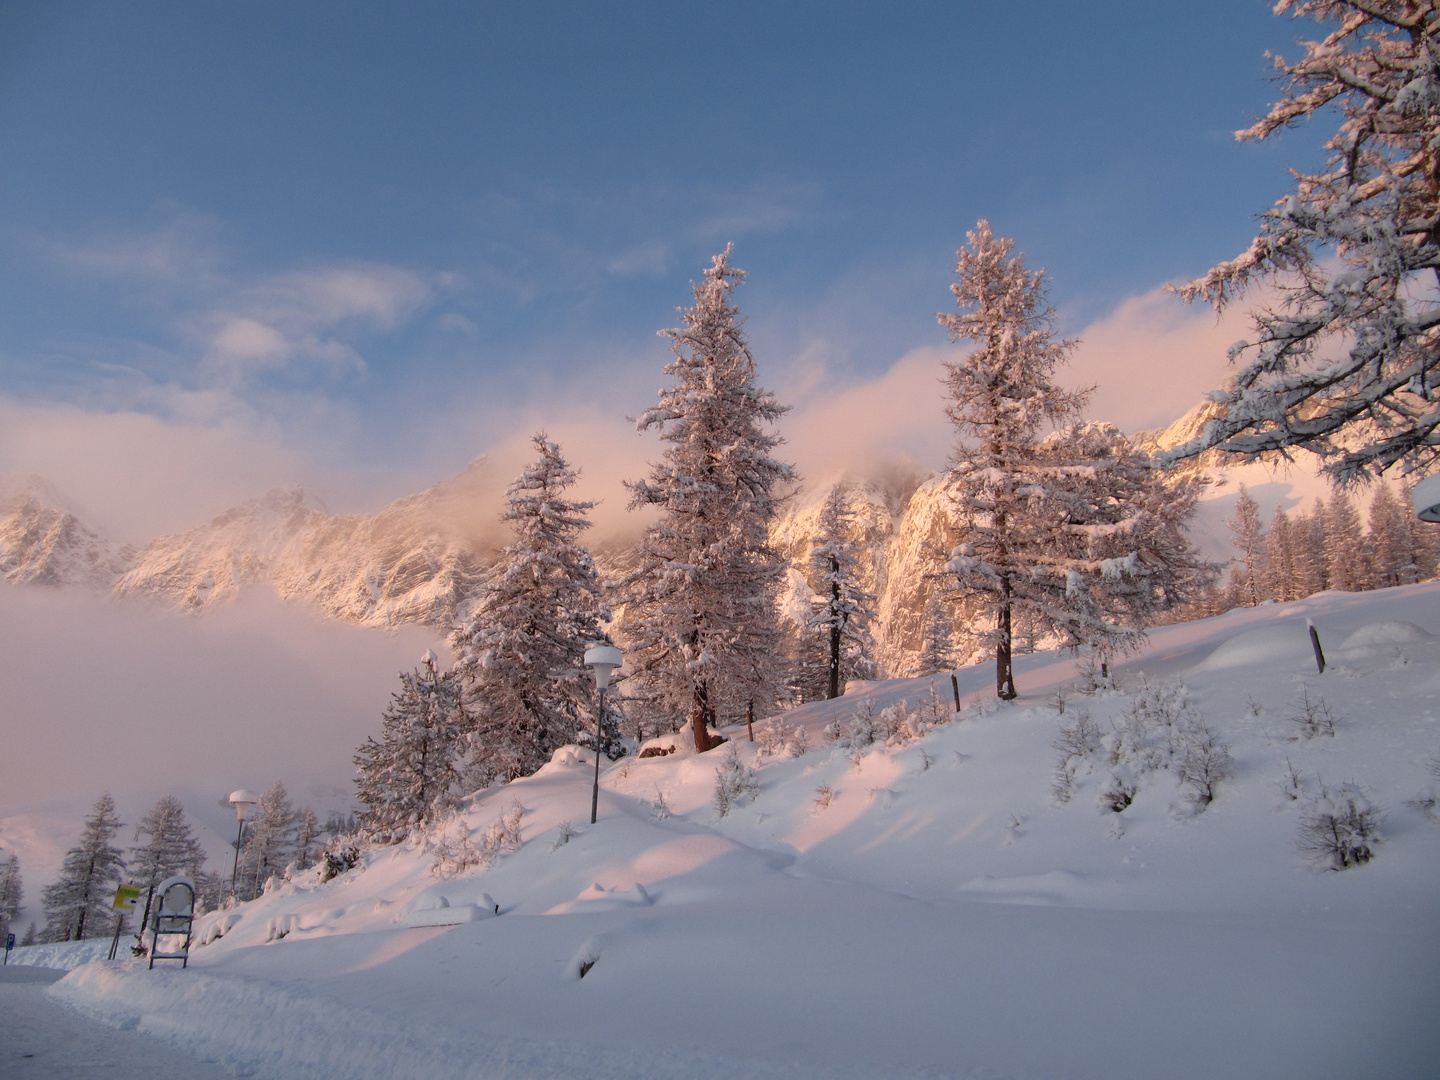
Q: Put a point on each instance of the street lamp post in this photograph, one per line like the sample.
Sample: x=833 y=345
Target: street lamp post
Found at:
x=242 y=800
x=602 y=660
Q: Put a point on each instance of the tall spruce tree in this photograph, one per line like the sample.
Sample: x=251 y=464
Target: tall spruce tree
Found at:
x=937 y=639
x=699 y=621
x=521 y=653
x=1012 y=492
x=170 y=847
x=12 y=894
x=838 y=644
x=1346 y=560
x=1248 y=533
x=269 y=840
x=1348 y=363
x=409 y=778
x=78 y=905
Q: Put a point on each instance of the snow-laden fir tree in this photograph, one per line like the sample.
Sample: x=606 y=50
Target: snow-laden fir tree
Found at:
x=269 y=839
x=699 y=622
x=1011 y=493
x=836 y=643
x=12 y=894
x=937 y=638
x=409 y=778
x=168 y=847
x=1248 y=534
x=308 y=842
x=521 y=653
x=1347 y=363
x=1282 y=575
x=78 y=905
x=1119 y=536
x=1347 y=563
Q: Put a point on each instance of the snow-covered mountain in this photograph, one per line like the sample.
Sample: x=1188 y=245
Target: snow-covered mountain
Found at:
x=416 y=561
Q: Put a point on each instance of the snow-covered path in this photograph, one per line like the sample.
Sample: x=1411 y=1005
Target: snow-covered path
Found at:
x=43 y=1039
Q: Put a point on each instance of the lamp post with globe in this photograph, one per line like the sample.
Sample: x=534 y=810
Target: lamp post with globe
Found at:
x=242 y=800
x=602 y=660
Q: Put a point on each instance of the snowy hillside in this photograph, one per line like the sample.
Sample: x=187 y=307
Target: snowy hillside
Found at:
x=954 y=902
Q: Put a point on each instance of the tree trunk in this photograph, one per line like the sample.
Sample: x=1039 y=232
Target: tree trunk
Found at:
x=1004 y=673
x=697 y=721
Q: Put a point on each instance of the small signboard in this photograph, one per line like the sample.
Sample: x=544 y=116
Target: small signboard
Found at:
x=126 y=897
x=9 y=944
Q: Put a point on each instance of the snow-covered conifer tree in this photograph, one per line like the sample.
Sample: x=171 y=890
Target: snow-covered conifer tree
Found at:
x=1281 y=578
x=937 y=639
x=308 y=845
x=269 y=838
x=1310 y=562
x=78 y=905
x=169 y=846
x=521 y=653
x=1027 y=516
x=1346 y=561
x=1249 y=536
x=837 y=645
x=12 y=894
x=1348 y=363
x=699 y=622
x=408 y=778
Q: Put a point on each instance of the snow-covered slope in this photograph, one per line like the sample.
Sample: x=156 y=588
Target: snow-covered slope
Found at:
x=924 y=908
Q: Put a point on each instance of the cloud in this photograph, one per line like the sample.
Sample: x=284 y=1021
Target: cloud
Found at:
x=298 y=318
x=183 y=252
x=1153 y=358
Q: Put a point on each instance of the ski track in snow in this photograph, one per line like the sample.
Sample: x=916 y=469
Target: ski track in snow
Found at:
x=942 y=916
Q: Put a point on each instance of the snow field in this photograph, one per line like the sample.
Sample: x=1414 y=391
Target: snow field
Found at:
x=939 y=914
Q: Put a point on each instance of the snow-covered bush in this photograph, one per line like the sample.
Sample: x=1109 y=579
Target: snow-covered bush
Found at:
x=1292 y=784
x=857 y=732
x=1312 y=717
x=1079 y=737
x=564 y=833
x=1119 y=792
x=456 y=854
x=771 y=738
x=658 y=808
x=798 y=743
x=898 y=724
x=1204 y=762
x=1340 y=828
x=735 y=782
x=823 y=795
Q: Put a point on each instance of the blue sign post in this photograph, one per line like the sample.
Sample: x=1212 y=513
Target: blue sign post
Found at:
x=9 y=944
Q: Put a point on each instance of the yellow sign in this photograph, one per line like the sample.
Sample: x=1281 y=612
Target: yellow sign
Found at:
x=126 y=897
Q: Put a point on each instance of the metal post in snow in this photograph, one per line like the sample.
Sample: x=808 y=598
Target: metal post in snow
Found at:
x=1315 y=644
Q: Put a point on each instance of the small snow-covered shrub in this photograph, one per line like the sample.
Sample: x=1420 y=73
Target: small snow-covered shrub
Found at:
x=897 y=724
x=456 y=854
x=735 y=783
x=1204 y=762
x=857 y=732
x=339 y=857
x=771 y=738
x=1079 y=737
x=1292 y=784
x=1312 y=717
x=823 y=795
x=1091 y=678
x=1119 y=792
x=798 y=744
x=658 y=808
x=1340 y=828
x=564 y=833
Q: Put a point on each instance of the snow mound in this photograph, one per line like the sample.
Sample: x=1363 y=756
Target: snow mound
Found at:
x=1386 y=633
x=1281 y=644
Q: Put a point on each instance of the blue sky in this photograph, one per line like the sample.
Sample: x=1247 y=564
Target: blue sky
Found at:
x=354 y=245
